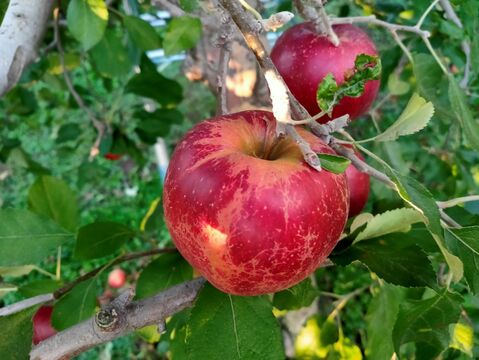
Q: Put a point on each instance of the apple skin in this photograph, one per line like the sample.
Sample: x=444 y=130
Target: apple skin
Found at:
x=358 y=183
x=42 y=324
x=116 y=278
x=304 y=58
x=251 y=226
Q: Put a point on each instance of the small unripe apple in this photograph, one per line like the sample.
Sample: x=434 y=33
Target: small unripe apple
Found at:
x=116 y=278
x=42 y=324
x=246 y=210
x=112 y=156
x=304 y=57
x=358 y=183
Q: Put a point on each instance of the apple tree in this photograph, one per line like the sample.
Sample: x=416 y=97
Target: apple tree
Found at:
x=321 y=198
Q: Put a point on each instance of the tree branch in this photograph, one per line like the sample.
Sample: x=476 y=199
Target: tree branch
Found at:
x=20 y=34
x=224 y=43
x=466 y=47
x=169 y=6
x=126 y=317
x=100 y=126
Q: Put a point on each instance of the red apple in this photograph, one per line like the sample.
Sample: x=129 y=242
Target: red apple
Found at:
x=304 y=58
x=112 y=156
x=42 y=324
x=358 y=183
x=245 y=209
x=116 y=278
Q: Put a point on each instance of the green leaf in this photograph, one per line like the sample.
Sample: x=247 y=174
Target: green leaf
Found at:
x=68 y=132
x=296 y=297
x=16 y=271
x=77 y=305
x=414 y=118
x=100 y=239
x=420 y=198
x=39 y=287
x=182 y=34
x=396 y=86
x=394 y=258
x=464 y=243
x=71 y=61
x=380 y=320
x=462 y=338
x=461 y=109
x=156 y=124
x=315 y=338
x=26 y=238
x=53 y=198
x=151 y=84
x=432 y=84
x=110 y=56
x=162 y=273
x=329 y=93
x=142 y=33
x=427 y=321
x=87 y=21
x=243 y=327
x=16 y=337
x=397 y=220
x=334 y=163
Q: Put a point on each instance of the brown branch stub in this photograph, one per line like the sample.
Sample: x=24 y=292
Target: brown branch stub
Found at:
x=134 y=315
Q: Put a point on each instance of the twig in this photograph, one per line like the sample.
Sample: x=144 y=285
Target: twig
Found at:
x=457 y=201
x=371 y=19
x=169 y=6
x=224 y=43
x=24 y=304
x=100 y=126
x=131 y=316
x=277 y=20
x=426 y=13
x=466 y=47
x=309 y=155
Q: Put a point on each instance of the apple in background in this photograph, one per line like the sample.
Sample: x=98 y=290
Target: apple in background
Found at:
x=358 y=183
x=304 y=58
x=42 y=324
x=112 y=156
x=246 y=210
x=116 y=278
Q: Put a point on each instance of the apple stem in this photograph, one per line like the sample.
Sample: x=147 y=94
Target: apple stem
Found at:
x=324 y=24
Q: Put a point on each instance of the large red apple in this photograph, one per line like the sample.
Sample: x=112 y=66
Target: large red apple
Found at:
x=246 y=210
x=358 y=183
x=304 y=58
x=42 y=324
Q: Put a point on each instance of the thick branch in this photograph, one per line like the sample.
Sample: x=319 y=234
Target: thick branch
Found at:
x=20 y=34
x=130 y=317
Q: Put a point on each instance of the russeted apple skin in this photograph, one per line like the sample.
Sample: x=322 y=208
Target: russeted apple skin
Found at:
x=304 y=58
x=42 y=324
x=251 y=225
x=358 y=183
